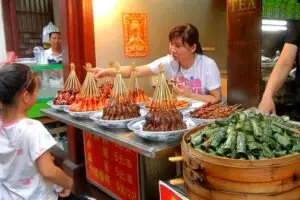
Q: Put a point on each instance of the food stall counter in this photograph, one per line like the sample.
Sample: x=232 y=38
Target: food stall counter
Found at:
x=123 y=137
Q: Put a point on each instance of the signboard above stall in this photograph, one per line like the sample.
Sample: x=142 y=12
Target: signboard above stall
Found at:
x=281 y=9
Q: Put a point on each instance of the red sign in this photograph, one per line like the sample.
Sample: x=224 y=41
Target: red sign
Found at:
x=167 y=193
x=112 y=166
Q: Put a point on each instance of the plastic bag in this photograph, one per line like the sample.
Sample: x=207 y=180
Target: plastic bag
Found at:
x=50 y=28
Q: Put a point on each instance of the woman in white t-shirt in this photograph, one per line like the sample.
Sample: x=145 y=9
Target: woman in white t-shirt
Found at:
x=27 y=170
x=197 y=76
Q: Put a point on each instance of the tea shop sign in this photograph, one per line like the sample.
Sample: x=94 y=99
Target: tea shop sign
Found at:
x=241 y=5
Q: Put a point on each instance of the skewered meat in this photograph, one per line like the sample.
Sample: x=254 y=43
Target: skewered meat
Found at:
x=89 y=98
x=65 y=97
x=180 y=104
x=88 y=104
x=121 y=111
x=213 y=111
x=138 y=95
x=163 y=115
x=71 y=89
x=164 y=120
x=105 y=90
x=121 y=106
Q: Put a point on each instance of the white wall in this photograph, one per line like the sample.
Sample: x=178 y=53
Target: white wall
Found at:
x=2 y=37
x=209 y=18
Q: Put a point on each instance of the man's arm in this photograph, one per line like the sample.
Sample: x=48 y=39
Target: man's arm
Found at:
x=281 y=69
x=278 y=76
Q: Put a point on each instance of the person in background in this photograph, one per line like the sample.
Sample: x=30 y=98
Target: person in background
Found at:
x=27 y=170
x=54 y=53
x=196 y=75
x=289 y=55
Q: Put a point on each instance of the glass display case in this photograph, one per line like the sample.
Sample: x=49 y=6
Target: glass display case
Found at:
x=50 y=81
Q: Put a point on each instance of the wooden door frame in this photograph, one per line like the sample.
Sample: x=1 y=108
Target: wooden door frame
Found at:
x=10 y=26
x=78 y=44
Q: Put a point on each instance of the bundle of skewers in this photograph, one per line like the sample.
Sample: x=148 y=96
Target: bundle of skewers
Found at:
x=89 y=97
x=136 y=93
x=105 y=85
x=120 y=106
x=71 y=89
x=163 y=115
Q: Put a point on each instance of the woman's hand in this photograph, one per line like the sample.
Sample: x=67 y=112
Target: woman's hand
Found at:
x=180 y=91
x=65 y=193
x=267 y=105
x=99 y=72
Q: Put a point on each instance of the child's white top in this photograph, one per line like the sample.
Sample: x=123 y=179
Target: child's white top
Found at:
x=21 y=143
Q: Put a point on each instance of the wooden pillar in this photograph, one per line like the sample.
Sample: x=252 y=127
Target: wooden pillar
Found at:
x=77 y=31
x=78 y=43
x=243 y=61
x=10 y=26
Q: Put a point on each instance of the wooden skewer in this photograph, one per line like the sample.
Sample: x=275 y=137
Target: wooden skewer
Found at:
x=89 y=87
x=72 y=81
x=119 y=91
x=236 y=106
x=178 y=181
x=176 y=159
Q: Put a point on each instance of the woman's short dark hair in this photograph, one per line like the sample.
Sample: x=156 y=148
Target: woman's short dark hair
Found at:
x=15 y=78
x=189 y=34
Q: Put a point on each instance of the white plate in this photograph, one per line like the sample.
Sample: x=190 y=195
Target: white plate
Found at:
x=162 y=136
x=57 y=107
x=97 y=117
x=204 y=121
x=80 y=114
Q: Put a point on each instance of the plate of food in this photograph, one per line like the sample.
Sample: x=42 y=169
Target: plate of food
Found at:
x=210 y=112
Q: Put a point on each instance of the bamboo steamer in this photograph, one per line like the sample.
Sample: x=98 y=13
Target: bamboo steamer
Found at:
x=212 y=177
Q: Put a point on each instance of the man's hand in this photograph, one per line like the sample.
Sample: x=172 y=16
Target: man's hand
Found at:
x=267 y=105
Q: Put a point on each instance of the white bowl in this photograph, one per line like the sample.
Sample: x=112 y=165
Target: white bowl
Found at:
x=85 y=115
x=57 y=107
x=162 y=136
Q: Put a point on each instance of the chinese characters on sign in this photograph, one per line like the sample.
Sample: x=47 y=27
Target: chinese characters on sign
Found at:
x=111 y=166
x=277 y=9
x=167 y=193
x=135 y=34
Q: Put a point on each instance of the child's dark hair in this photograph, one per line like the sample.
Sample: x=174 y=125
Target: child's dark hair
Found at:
x=15 y=79
x=189 y=34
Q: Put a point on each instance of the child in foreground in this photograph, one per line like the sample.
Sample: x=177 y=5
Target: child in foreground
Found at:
x=27 y=170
